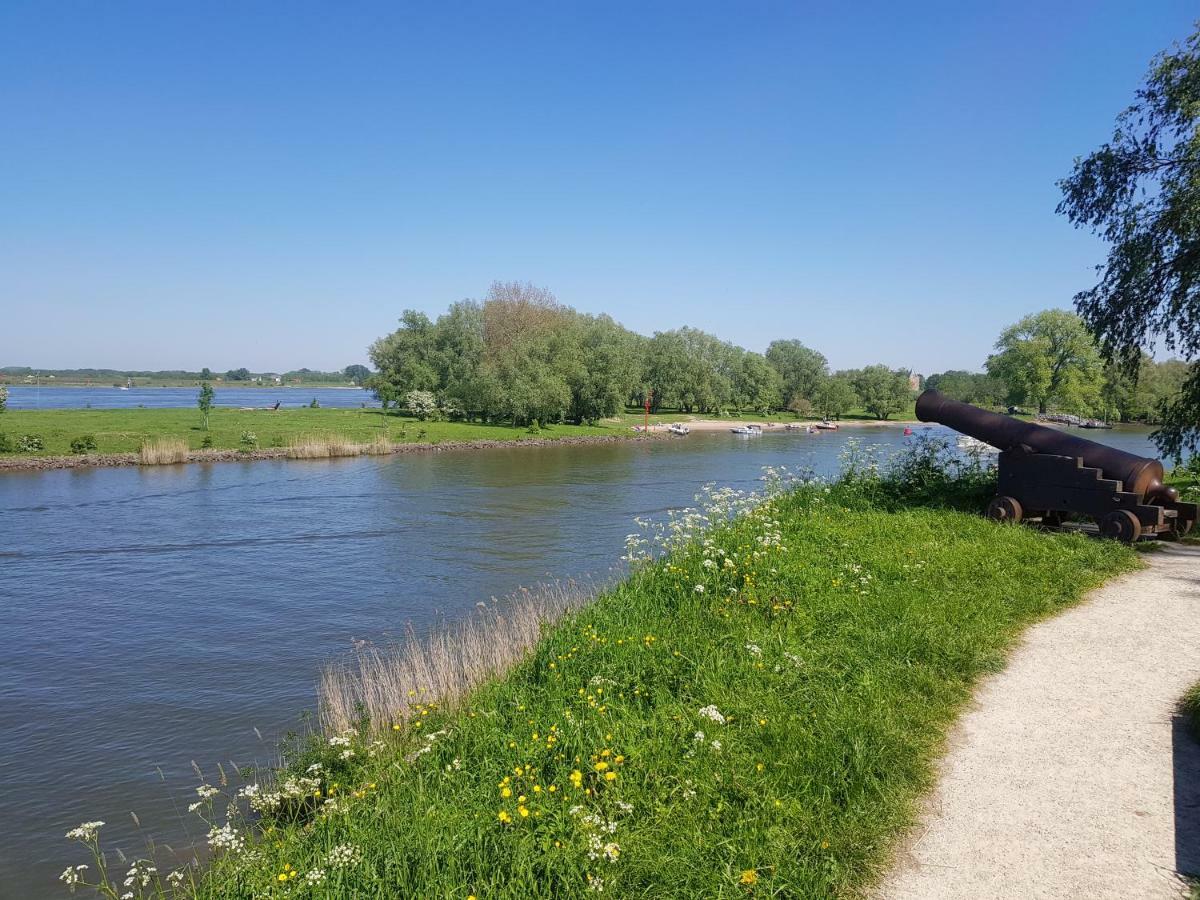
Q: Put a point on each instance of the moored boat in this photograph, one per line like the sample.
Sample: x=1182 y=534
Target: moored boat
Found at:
x=679 y=428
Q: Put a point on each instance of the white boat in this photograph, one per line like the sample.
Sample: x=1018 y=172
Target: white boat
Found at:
x=747 y=429
x=679 y=428
x=827 y=425
x=800 y=426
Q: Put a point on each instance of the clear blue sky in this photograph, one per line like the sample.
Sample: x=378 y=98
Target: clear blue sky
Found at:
x=269 y=185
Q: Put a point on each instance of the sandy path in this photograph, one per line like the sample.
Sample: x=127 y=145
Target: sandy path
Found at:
x=1071 y=776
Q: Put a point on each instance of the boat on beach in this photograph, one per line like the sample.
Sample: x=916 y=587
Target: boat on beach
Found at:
x=679 y=428
x=826 y=425
x=800 y=426
x=747 y=430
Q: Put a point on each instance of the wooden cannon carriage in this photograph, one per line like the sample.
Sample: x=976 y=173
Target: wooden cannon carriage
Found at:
x=1048 y=475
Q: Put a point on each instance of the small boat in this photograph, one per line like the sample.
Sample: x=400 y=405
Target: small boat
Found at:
x=747 y=429
x=826 y=425
x=679 y=428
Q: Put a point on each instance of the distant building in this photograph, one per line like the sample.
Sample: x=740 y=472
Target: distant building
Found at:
x=915 y=381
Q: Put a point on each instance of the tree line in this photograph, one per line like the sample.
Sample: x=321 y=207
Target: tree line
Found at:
x=520 y=356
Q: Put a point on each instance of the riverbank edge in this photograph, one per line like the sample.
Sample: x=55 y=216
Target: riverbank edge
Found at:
x=115 y=460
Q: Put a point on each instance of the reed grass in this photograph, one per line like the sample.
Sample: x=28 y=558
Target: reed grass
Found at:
x=320 y=446
x=163 y=451
x=379 y=684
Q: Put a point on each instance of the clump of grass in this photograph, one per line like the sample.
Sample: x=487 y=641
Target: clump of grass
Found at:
x=379 y=685
x=320 y=447
x=379 y=446
x=163 y=451
x=1189 y=707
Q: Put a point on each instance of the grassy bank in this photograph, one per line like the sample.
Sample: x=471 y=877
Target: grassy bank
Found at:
x=127 y=430
x=755 y=715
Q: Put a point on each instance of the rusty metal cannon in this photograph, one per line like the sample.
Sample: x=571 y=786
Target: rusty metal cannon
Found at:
x=1047 y=475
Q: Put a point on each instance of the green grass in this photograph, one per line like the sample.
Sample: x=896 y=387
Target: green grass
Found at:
x=125 y=430
x=851 y=640
x=1189 y=706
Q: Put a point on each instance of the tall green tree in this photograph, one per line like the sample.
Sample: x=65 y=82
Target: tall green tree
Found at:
x=356 y=373
x=1049 y=359
x=3 y=397
x=834 y=397
x=801 y=369
x=882 y=391
x=205 y=402
x=1141 y=193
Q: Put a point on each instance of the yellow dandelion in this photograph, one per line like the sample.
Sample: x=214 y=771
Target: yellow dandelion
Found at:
x=610 y=776
x=749 y=876
x=506 y=792
x=523 y=811
x=503 y=816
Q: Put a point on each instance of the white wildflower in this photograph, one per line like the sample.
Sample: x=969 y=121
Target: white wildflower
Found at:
x=699 y=589
x=754 y=650
x=226 y=838
x=85 y=832
x=175 y=879
x=315 y=876
x=711 y=712
x=699 y=737
x=344 y=855
x=716 y=745
x=595 y=883
x=72 y=875
x=207 y=791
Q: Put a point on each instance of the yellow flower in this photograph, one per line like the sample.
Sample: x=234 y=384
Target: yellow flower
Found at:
x=395 y=728
x=470 y=897
x=504 y=816
x=506 y=792
x=552 y=788
x=601 y=766
x=577 y=778
x=523 y=811
x=610 y=776
x=749 y=877
x=521 y=799
x=282 y=876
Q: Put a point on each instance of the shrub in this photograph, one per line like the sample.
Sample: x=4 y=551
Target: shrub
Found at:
x=249 y=440
x=207 y=443
x=3 y=398
x=314 y=404
x=30 y=443
x=5 y=443
x=534 y=427
x=421 y=404
x=84 y=444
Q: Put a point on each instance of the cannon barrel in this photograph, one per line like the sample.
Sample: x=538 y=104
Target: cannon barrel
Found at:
x=1136 y=473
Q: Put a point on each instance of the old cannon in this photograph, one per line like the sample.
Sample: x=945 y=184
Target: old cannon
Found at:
x=1048 y=475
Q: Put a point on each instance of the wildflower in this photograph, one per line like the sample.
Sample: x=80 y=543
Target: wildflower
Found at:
x=712 y=713
x=699 y=589
x=610 y=776
x=524 y=812
x=506 y=792
x=314 y=876
x=754 y=650
x=716 y=745
x=577 y=778
x=504 y=817
x=226 y=838
x=344 y=855
x=71 y=876
x=749 y=876
x=207 y=791
x=85 y=832
x=595 y=883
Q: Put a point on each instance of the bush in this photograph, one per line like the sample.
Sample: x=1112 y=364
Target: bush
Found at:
x=207 y=443
x=5 y=443
x=421 y=404
x=535 y=427
x=314 y=404
x=30 y=443
x=84 y=444
x=249 y=440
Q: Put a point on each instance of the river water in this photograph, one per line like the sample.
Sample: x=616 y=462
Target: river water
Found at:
x=25 y=396
x=154 y=616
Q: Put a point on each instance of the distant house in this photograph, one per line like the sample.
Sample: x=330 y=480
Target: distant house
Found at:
x=915 y=381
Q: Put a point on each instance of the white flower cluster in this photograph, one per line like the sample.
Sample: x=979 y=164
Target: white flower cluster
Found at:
x=429 y=742
x=754 y=650
x=314 y=877
x=595 y=883
x=292 y=789
x=140 y=874
x=344 y=855
x=226 y=838
x=72 y=876
x=712 y=713
x=85 y=832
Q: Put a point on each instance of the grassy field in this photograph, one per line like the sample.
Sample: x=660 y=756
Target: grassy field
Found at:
x=755 y=715
x=126 y=430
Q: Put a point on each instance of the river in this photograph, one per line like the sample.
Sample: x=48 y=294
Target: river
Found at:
x=154 y=616
x=26 y=396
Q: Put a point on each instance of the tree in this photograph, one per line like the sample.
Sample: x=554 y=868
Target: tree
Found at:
x=237 y=375
x=1049 y=359
x=834 y=397
x=3 y=397
x=1141 y=193
x=882 y=391
x=205 y=402
x=356 y=373
x=205 y=374
x=969 y=387
x=802 y=370
x=757 y=385
x=421 y=404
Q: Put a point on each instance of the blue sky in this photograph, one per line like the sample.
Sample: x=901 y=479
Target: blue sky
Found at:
x=269 y=185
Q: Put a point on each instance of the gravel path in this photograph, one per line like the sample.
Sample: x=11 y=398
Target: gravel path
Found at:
x=1071 y=775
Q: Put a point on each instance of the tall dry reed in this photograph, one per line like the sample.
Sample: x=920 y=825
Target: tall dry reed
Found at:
x=316 y=446
x=163 y=451
x=382 y=683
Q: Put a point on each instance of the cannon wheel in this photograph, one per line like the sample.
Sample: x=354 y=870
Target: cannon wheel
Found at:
x=1121 y=525
x=1004 y=509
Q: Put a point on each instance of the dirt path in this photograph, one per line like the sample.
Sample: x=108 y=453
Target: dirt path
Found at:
x=1071 y=775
